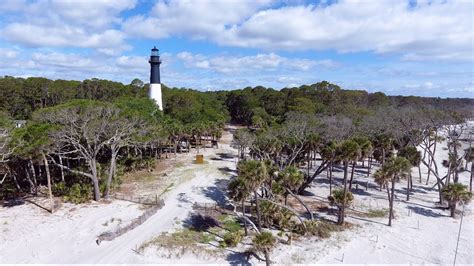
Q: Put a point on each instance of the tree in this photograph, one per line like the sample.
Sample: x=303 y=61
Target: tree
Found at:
x=346 y=152
x=337 y=198
x=414 y=157
x=239 y=190
x=391 y=172
x=328 y=153
x=264 y=242
x=82 y=130
x=254 y=174
x=32 y=141
x=455 y=193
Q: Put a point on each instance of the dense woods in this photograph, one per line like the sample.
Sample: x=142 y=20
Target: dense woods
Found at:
x=80 y=137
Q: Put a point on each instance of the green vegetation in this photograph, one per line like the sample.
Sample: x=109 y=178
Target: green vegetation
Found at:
x=181 y=241
x=377 y=213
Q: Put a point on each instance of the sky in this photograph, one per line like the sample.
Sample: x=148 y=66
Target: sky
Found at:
x=423 y=48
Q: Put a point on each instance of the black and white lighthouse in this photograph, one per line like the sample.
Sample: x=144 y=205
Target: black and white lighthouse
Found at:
x=155 y=84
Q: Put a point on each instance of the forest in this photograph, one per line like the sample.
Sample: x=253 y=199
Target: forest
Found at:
x=76 y=140
x=79 y=137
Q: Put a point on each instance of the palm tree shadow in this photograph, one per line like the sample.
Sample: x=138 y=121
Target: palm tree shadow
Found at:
x=217 y=192
x=425 y=212
x=242 y=258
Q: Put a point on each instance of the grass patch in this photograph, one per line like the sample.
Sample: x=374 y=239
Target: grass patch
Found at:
x=322 y=229
x=181 y=241
x=377 y=213
x=229 y=223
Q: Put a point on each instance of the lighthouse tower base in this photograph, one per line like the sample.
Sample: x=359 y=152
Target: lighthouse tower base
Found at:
x=155 y=94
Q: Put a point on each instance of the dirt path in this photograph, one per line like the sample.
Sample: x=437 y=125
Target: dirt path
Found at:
x=199 y=183
x=30 y=235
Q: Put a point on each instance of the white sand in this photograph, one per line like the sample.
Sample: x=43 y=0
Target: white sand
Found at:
x=30 y=235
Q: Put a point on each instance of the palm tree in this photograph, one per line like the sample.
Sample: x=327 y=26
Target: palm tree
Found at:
x=264 y=242
x=254 y=174
x=346 y=152
x=291 y=179
x=337 y=198
x=239 y=191
x=414 y=157
x=391 y=172
x=328 y=153
x=454 y=193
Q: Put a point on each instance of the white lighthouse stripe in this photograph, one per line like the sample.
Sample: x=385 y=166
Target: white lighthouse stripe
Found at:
x=155 y=94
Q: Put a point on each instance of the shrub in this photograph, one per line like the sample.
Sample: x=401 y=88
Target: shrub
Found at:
x=60 y=189
x=272 y=214
x=231 y=239
x=79 y=193
x=321 y=229
x=264 y=241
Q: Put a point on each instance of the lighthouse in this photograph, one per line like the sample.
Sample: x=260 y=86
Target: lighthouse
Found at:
x=155 y=84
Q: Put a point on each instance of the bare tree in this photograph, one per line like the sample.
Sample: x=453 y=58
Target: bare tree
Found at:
x=81 y=135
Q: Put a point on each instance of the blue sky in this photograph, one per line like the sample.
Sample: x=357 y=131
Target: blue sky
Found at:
x=398 y=47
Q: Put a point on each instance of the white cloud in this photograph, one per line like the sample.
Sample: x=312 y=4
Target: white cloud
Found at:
x=194 y=19
x=84 y=24
x=8 y=53
x=432 y=30
x=259 y=62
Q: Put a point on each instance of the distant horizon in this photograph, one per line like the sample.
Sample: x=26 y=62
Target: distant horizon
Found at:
x=400 y=48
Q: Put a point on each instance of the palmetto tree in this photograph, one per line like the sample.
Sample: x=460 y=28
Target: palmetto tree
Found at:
x=328 y=153
x=239 y=191
x=414 y=157
x=254 y=174
x=346 y=152
x=265 y=242
x=391 y=172
x=454 y=193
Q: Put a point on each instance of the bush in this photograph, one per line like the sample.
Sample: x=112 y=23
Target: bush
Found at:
x=79 y=193
x=273 y=214
x=231 y=239
x=320 y=229
x=264 y=241
x=60 y=189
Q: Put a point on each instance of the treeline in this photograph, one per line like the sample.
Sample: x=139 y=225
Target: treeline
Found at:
x=253 y=106
x=80 y=137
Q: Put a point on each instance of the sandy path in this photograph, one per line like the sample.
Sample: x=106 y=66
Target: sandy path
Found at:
x=37 y=237
x=178 y=204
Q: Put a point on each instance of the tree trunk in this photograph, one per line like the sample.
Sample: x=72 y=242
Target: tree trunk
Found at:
x=95 y=180
x=302 y=203
x=267 y=258
x=62 y=170
x=392 y=199
x=452 y=209
x=419 y=171
x=330 y=178
x=257 y=207
x=472 y=177
x=33 y=173
x=113 y=162
x=48 y=178
x=383 y=156
x=343 y=209
x=408 y=187
x=352 y=175
x=245 y=220
x=369 y=166
x=33 y=189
